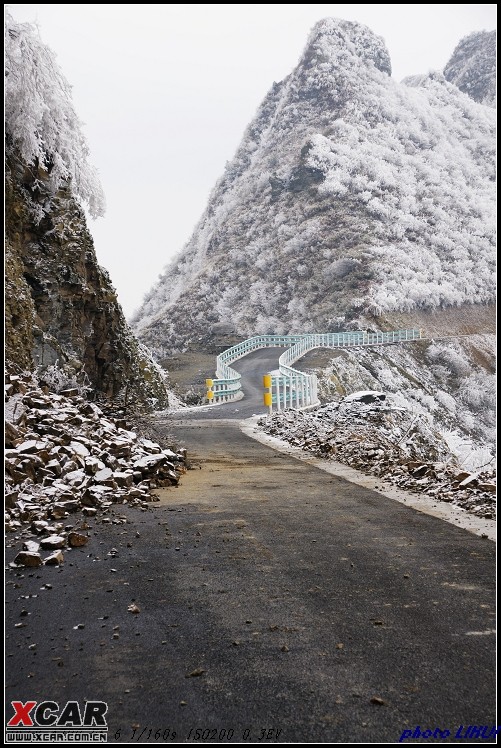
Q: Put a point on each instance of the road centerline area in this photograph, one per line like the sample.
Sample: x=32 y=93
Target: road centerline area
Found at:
x=274 y=600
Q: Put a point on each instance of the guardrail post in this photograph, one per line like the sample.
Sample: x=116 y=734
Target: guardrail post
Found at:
x=209 y=383
x=268 y=396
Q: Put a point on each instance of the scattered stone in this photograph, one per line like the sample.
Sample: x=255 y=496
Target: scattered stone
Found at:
x=26 y=558
x=31 y=545
x=63 y=455
x=77 y=539
x=54 y=559
x=53 y=541
x=70 y=392
x=58 y=511
x=133 y=608
x=420 y=471
x=79 y=449
x=12 y=434
x=489 y=487
x=32 y=445
x=471 y=480
x=196 y=673
x=123 y=479
x=377 y=700
x=385 y=440
x=103 y=475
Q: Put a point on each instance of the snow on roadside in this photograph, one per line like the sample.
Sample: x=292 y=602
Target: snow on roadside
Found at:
x=382 y=438
x=450 y=383
x=175 y=403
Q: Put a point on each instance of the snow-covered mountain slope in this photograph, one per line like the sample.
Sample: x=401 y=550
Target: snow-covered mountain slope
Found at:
x=472 y=67
x=351 y=195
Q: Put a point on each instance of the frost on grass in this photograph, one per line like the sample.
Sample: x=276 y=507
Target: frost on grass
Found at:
x=40 y=120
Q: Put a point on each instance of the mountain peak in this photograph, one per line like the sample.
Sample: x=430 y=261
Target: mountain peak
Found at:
x=350 y=195
x=334 y=40
x=472 y=67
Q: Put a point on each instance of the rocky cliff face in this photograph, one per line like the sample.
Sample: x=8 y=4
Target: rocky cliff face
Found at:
x=62 y=312
x=350 y=197
x=472 y=67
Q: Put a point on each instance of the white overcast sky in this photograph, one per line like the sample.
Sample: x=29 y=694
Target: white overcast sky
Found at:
x=166 y=91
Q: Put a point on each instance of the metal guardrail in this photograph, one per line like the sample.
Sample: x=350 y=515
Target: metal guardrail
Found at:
x=227 y=386
x=293 y=388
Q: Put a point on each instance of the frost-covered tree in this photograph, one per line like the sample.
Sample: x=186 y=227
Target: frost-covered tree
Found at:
x=41 y=124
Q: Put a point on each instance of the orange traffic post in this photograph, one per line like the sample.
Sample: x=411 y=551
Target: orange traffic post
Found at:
x=209 y=383
x=268 y=397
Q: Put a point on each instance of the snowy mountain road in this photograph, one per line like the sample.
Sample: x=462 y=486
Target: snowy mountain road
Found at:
x=277 y=603
x=252 y=368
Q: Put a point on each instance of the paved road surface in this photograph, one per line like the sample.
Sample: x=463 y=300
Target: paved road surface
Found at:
x=252 y=368
x=302 y=598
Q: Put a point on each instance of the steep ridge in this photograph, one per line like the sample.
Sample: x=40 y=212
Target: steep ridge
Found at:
x=350 y=197
x=61 y=309
x=62 y=317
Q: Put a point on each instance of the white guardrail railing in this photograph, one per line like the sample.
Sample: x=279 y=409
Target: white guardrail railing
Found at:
x=291 y=388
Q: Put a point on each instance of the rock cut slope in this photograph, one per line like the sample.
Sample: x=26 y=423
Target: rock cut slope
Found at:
x=351 y=195
x=62 y=316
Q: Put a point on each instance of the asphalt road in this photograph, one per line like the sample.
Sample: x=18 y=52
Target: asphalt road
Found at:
x=252 y=368
x=273 y=597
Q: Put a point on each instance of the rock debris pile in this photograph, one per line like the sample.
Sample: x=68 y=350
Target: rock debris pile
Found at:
x=64 y=456
x=369 y=433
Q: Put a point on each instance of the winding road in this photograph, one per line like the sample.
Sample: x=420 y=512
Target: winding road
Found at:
x=252 y=368
x=278 y=603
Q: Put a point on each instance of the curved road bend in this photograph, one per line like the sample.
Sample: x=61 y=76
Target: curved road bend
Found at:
x=314 y=609
x=252 y=368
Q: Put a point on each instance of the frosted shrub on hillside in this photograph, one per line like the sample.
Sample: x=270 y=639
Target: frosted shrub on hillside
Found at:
x=40 y=120
x=478 y=391
x=424 y=185
x=446 y=400
x=451 y=357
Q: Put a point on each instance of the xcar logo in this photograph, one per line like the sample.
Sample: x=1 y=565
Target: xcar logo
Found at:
x=45 y=722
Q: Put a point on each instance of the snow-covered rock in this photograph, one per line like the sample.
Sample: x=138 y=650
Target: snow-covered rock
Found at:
x=365 y=396
x=67 y=458
x=383 y=438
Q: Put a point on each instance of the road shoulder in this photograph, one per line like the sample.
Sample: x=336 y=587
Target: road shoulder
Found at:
x=455 y=515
